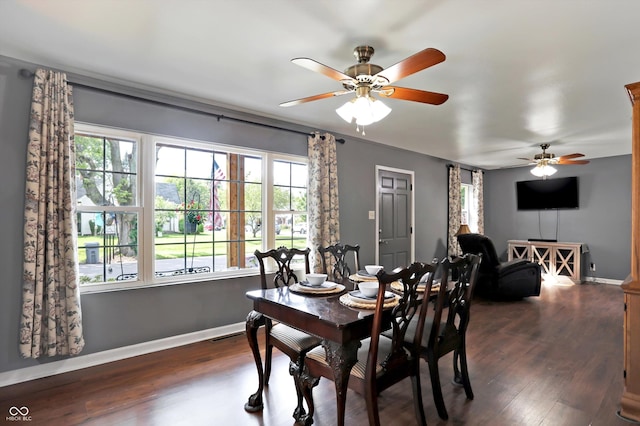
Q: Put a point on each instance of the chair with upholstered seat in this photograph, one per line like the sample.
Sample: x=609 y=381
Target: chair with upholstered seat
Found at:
x=289 y=340
x=442 y=337
x=335 y=262
x=514 y=279
x=381 y=361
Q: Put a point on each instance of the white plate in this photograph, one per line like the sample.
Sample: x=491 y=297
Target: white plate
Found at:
x=359 y=297
x=364 y=273
x=327 y=285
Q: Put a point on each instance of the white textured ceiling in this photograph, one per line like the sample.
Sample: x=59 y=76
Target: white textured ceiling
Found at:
x=519 y=72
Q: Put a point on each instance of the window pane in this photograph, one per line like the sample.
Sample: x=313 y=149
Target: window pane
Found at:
x=170 y=161
x=120 y=189
x=253 y=225
x=282 y=198
x=89 y=152
x=293 y=230
x=199 y=164
x=299 y=175
x=109 y=251
x=120 y=156
x=281 y=173
x=299 y=199
x=252 y=169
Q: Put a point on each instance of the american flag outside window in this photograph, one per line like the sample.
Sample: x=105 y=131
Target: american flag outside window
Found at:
x=214 y=216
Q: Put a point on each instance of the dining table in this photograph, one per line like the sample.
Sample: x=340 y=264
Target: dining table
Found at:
x=340 y=327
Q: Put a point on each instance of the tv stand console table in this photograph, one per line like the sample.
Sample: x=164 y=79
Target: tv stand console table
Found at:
x=559 y=260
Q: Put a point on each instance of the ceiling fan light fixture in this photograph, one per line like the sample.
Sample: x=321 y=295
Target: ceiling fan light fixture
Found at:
x=364 y=110
x=543 y=170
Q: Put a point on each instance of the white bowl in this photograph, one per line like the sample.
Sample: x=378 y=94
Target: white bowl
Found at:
x=373 y=269
x=368 y=288
x=316 y=280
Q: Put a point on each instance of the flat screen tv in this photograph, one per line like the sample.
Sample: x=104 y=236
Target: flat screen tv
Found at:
x=542 y=194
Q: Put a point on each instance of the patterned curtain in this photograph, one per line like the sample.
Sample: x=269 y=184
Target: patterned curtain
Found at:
x=478 y=200
x=324 y=217
x=453 y=248
x=51 y=321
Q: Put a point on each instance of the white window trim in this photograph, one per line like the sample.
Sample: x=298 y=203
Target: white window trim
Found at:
x=146 y=196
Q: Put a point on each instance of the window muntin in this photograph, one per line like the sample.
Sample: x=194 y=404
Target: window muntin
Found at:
x=229 y=191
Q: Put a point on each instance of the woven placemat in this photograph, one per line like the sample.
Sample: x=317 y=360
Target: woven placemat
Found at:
x=357 y=277
x=348 y=301
x=300 y=289
x=397 y=286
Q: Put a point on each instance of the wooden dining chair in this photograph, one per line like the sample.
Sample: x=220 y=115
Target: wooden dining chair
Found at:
x=335 y=262
x=440 y=336
x=294 y=343
x=382 y=361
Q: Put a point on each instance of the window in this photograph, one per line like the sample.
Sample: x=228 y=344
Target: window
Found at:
x=466 y=195
x=108 y=208
x=468 y=209
x=205 y=209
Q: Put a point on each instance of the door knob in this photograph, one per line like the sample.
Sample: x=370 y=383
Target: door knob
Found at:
x=382 y=241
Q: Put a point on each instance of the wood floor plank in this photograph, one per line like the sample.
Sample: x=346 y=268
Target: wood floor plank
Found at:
x=553 y=360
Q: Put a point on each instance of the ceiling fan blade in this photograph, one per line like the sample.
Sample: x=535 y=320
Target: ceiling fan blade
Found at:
x=316 y=66
x=531 y=160
x=568 y=156
x=315 y=98
x=413 y=95
x=565 y=161
x=421 y=60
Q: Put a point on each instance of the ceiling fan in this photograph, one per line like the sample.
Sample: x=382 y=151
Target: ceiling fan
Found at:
x=543 y=162
x=365 y=78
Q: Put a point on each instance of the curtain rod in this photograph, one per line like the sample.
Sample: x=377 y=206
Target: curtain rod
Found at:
x=464 y=168
x=28 y=74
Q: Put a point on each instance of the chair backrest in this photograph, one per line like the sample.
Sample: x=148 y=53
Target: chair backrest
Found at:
x=335 y=262
x=480 y=244
x=282 y=258
x=458 y=300
x=409 y=304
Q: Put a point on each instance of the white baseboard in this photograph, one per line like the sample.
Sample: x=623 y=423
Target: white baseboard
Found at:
x=90 y=360
x=603 y=280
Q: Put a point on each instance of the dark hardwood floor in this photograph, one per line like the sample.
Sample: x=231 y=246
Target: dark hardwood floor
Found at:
x=552 y=360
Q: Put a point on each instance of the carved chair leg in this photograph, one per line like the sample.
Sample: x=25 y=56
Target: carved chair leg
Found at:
x=457 y=376
x=304 y=386
x=417 y=396
x=295 y=370
x=371 y=398
x=254 y=321
x=465 y=372
x=268 y=353
x=437 y=389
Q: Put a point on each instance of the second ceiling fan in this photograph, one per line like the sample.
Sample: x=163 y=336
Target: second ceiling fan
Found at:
x=544 y=161
x=365 y=78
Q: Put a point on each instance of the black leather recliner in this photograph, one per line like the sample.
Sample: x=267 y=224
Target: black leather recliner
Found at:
x=515 y=279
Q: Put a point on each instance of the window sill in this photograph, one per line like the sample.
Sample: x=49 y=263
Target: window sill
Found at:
x=184 y=279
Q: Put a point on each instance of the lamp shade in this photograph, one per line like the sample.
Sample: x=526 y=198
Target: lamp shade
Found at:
x=364 y=109
x=464 y=229
x=543 y=170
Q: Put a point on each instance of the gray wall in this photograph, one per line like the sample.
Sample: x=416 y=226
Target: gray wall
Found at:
x=122 y=318
x=603 y=220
